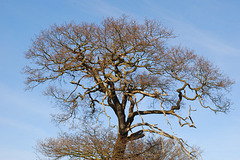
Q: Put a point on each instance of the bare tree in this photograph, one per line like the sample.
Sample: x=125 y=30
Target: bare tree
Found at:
x=90 y=143
x=97 y=142
x=118 y=65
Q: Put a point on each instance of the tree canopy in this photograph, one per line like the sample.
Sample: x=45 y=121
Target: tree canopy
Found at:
x=117 y=65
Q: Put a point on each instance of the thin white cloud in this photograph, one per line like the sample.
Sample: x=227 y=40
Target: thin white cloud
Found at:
x=18 y=125
x=14 y=154
x=200 y=38
x=99 y=8
x=108 y=10
x=23 y=100
x=191 y=34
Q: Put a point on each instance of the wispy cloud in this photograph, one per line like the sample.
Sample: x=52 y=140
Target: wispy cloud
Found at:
x=20 y=99
x=190 y=34
x=18 y=125
x=100 y=8
x=108 y=10
x=201 y=38
x=14 y=154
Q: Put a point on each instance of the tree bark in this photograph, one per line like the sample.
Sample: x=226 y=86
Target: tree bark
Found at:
x=120 y=147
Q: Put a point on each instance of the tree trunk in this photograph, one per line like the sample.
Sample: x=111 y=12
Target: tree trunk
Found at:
x=120 y=147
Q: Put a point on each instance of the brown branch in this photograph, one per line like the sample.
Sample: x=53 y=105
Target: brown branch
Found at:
x=136 y=135
x=177 y=107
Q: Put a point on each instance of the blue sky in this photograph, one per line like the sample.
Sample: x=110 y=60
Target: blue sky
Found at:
x=210 y=27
